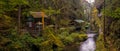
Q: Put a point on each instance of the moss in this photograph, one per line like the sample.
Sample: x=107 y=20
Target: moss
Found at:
x=100 y=43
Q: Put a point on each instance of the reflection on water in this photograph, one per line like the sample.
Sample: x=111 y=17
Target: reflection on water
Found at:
x=89 y=44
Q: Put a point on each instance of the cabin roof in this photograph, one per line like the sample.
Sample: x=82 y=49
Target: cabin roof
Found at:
x=38 y=14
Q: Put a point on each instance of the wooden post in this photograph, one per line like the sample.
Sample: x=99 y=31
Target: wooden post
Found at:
x=43 y=24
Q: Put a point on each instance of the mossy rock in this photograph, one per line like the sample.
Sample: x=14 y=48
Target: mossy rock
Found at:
x=81 y=37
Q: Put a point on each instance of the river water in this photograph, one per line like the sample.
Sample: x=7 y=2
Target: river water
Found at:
x=89 y=44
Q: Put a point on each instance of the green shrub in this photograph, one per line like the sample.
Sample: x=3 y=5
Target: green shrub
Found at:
x=72 y=38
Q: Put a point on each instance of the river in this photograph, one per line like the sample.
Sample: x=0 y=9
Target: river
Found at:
x=89 y=44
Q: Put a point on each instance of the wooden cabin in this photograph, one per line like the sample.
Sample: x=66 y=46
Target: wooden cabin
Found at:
x=39 y=18
x=36 y=22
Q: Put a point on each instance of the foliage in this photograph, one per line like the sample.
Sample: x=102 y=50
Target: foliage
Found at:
x=5 y=25
x=15 y=42
x=51 y=11
x=111 y=36
x=61 y=12
x=100 y=44
x=51 y=40
x=26 y=42
x=68 y=39
x=114 y=13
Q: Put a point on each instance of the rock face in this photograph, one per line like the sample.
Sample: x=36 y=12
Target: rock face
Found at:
x=99 y=3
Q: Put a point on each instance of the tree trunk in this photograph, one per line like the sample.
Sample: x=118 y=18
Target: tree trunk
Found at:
x=19 y=18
